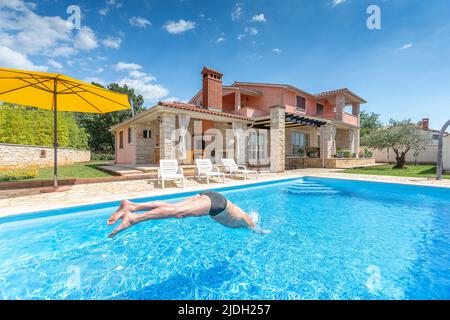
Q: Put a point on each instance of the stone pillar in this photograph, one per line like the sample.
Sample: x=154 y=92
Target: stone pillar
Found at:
x=357 y=140
x=237 y=101
x=351 y=140
x=327 y=142
x=313 y=138
x=277 y=139
x=167 y=137
x=340 y=107
x=356 y=111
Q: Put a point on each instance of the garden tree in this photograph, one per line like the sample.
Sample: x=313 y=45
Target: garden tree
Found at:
x=400 y=136
x=101 y=141
x=33 y=126
x=369 y=121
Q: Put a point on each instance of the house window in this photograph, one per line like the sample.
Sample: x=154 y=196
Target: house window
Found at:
x=121 y=139
x=130 y=135
x=300 y=142
x=319 y=109
x=435 y=137
x=301 y=104
x=147 y=134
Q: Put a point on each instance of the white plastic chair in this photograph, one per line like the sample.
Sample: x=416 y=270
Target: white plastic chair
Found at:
x=205 y=168
x=232 y=168
x=169 y=170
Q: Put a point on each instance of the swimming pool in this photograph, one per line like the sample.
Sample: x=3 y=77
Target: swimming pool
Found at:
x=330 y=239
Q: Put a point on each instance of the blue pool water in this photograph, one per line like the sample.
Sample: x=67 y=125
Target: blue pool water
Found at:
x=330 y=239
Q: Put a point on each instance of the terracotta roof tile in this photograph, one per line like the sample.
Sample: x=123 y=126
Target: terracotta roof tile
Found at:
x=194 y=108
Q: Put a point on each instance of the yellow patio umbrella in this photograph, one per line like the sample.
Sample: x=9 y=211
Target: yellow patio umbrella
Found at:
x=57 y=92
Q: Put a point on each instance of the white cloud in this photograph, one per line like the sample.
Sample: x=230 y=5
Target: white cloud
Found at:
x=12 y=59
x=405 y=47
x=180 y=26
x=338 y=2
x=121 y=66
x=62 y=52
x=55 y=64
x=23 y=30
x=96 y=80
x=110 y=4
x=259 y=18
x=240 y=36
x=237 y=12
x=103 y=11
x=175 y=99
x=277 y=50
x=251 y=30
x=112 y=42
x=150 y=91
x=99 y=70
x=140 y=22
x=85 y=39
x=220 y=39
x=143 y=83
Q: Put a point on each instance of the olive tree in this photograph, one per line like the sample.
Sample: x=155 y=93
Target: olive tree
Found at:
x=400 y=136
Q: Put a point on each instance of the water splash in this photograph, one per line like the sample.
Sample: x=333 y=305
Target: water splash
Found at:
x=255 y=218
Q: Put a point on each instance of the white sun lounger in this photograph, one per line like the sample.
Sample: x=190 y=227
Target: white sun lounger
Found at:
x=205 y=169
x=233 y=169
x=170 y=171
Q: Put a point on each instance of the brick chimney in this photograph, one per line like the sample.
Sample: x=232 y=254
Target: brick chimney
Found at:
x=212 y=88
x=425 y=123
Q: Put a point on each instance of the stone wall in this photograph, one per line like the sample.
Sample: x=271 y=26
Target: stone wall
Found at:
x=147 y=149
x=348 y=163
x=19 y=156
x=167 y=128
x=343 y=139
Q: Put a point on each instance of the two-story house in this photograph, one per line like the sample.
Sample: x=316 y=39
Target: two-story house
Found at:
x=271 y=125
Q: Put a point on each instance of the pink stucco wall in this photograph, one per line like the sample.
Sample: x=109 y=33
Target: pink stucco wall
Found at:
x=127 y=154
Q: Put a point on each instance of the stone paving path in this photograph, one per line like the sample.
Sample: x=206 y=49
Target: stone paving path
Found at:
x=31 y=200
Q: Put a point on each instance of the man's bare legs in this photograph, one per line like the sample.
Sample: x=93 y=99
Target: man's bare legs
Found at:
x=196 y=206
x=128 y=206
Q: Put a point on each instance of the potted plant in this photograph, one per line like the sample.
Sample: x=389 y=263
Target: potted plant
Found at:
x=347 y=154
x=339 y=153
x=301 y=152
x=312 y=152
x=354 y=155
x=361 y=154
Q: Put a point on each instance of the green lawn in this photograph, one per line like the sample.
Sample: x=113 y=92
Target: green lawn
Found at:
x=419 y=171
x=79 y=170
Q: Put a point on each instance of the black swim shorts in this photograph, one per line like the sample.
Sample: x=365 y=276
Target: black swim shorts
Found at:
x=218 y=202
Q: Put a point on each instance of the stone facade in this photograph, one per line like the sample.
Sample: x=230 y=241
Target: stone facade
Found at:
x=146 y=148
x=277 y=139
x=19 y=156
x=167 y=127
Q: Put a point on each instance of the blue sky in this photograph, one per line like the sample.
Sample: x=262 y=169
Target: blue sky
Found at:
x=159 y=47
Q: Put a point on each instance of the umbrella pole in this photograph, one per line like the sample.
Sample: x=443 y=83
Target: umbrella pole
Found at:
x=55 y=138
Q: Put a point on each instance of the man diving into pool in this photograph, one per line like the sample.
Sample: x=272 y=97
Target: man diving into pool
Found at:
x=207 y=203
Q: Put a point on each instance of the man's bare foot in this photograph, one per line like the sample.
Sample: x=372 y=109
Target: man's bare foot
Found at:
x=125 y=206
x=128 y=219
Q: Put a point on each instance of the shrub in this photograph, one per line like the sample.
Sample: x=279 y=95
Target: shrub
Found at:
x=103 y=156
x=347 y=154
x=19 y=174
x=367 y=153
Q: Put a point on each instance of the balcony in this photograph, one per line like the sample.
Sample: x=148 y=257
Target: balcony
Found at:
x=251 y=112
x=346 y=117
